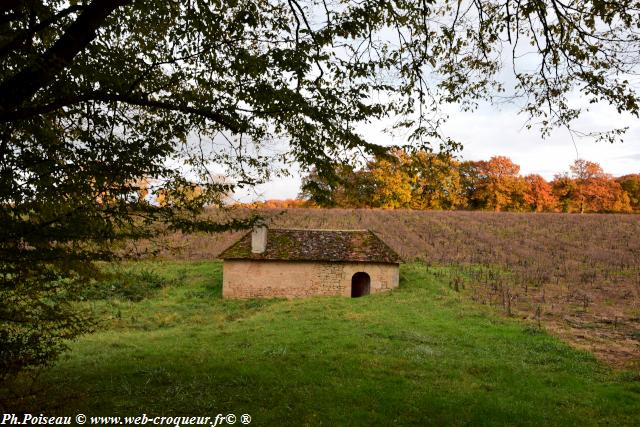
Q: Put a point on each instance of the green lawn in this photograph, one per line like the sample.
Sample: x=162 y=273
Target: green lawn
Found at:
x=420 y=355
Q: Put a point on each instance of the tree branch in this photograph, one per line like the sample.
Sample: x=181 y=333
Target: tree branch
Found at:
x=19 y=39
x=25 y=113
x=170 y=106
x=23 y=85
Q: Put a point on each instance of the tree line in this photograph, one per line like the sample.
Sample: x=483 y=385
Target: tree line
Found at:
x=424 y=180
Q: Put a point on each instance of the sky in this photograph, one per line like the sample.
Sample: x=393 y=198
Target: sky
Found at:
x=490 y=131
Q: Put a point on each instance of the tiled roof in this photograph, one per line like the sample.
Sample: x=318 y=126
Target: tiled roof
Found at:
x=316 y=245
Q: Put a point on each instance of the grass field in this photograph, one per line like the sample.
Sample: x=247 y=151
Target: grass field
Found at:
x=579 y=275
x=423 y=354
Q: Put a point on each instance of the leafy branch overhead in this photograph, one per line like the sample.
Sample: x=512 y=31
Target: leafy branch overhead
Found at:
x=311 y=69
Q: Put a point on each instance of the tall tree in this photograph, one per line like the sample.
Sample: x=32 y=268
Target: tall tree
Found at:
x=469 y=178
x=97 y=94
x=435 y=180
x=539 y=194
x=390 y=184
x=631 y=185
x=564 y=189
x=499 y=187
x=595 y=190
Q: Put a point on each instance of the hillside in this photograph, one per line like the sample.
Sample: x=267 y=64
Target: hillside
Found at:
x=577 y=274
x=419 y=355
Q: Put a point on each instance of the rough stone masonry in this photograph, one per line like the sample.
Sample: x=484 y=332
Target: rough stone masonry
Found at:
x=289 y=263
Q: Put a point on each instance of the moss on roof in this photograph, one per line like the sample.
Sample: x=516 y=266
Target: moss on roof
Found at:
x=316 y=245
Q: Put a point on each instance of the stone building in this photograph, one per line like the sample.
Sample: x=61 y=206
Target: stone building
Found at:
x=268 y=263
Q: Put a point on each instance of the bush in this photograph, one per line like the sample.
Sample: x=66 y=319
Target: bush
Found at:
x=123 y=284
x=35 y=323
x=39 y=314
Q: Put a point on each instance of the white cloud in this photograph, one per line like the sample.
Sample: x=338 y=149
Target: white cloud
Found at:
x=487 y=132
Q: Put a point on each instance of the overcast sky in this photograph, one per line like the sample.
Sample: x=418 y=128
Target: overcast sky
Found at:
x=490 y=131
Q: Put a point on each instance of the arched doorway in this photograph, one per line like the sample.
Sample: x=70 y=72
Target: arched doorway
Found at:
x=360 y=285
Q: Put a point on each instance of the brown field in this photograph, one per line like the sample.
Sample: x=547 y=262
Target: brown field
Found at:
x=578 y=276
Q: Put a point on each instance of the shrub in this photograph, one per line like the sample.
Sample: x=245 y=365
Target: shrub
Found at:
x=123 y=284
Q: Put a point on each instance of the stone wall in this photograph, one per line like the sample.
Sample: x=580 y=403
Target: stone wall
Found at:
x=294 y=279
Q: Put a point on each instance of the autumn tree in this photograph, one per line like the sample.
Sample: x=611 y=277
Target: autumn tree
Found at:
x=469 y=178
x=538 y=194
x=399 y=179
x=564 y=189
x=620 y=200
x=595 y=190
x=435 y=180
x=96 y=94
x=604 y=195
x=584 y=170
x=180 y=195
x=631 y=185
x=498 y=186
x=345 y=187
x=381 y=183
x=389 y=184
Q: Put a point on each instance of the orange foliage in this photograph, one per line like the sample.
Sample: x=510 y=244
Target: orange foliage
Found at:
x=539 y=195
x=424 y=180
x=134 y=191
x=597 y=191
x=499 y=186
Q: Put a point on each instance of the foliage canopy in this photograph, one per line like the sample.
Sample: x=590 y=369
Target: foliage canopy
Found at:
x=422 y=180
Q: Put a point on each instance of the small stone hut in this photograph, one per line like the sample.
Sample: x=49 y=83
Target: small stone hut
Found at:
x=291 y=263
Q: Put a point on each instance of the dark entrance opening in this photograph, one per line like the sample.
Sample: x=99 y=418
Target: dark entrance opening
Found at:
x=360 y=285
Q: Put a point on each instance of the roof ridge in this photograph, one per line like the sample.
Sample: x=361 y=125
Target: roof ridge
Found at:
x=303 y=244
